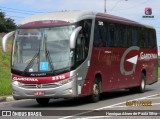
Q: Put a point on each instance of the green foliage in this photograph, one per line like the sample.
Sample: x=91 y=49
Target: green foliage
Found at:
x=158 y=62
x=6 y=24
x=158 y=72
x=5 y=88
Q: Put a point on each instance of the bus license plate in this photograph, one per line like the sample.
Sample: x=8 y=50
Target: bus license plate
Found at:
x=39 y=93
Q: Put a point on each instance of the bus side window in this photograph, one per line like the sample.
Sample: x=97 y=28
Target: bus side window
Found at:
x=146 y=38
x=118 y=36
x=96 y=41
x=112 y=35
x=80 y=48
x=129 y=36
x=125 y=37
x=99 y=35
x=121 y=44
x=86 y=30
x=152 y=39
x=134 y=37
x=142 y=43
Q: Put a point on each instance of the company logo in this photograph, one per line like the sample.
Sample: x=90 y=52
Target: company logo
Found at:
x=24 y=79
x=148 y=13
x=132 y=60
x=39 y=86
x=148 y=56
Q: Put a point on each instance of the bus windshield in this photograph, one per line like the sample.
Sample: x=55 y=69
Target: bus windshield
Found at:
x=42 y=49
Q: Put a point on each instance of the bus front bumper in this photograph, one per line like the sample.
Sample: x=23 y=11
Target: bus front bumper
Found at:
x=67 y=90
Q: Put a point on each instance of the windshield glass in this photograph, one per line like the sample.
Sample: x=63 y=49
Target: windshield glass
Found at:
x=42 y=49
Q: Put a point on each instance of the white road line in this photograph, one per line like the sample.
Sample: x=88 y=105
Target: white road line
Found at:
x=125 y=102
x=66 y=117
x=156 y=104
x=95 y=117
x=120 y=106
x=154 y=98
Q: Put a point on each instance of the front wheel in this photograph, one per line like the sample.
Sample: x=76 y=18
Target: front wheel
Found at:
x=42 y=101
x=95 y=92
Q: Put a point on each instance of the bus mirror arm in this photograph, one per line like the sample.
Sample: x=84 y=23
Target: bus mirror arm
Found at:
x=74 y=37
x=5 y=38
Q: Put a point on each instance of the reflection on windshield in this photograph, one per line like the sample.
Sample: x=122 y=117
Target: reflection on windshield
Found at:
x=51 y=45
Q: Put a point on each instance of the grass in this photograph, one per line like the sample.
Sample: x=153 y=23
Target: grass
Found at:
x=158 y=72
x=5 y=87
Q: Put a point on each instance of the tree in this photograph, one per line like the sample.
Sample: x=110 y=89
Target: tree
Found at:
x=6 y=24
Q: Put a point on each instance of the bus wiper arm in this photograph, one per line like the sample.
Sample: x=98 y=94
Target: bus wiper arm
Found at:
x=31 y=62
x=50 y=61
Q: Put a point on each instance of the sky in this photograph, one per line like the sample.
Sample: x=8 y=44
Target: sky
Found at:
x=131 y=9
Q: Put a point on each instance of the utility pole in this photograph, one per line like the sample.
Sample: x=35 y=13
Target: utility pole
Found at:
x=105 y=10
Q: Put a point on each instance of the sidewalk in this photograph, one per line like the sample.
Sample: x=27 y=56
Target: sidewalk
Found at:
x=6 y=98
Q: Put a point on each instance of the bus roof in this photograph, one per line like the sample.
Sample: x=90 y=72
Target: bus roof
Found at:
x=67 y=16
x=121 y=20
x=74 y=16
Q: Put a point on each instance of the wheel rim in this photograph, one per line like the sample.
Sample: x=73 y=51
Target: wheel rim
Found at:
x=95 y=90
x=142 y=84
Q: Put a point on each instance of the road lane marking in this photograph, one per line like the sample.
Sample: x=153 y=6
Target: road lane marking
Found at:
x=153 y=98
x=95 y=117
x=110 y=106
x=156 y=104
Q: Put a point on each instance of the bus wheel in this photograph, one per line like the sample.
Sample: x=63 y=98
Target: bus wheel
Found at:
x=42 y=101
x=95 y=91
x=141 y=88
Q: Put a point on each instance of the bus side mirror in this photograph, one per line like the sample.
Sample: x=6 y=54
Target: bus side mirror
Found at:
x=74 y=37
x=5 y=38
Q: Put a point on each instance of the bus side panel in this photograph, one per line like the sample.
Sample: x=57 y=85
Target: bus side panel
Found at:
x=150 y=65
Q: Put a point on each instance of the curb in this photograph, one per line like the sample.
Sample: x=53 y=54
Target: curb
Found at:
x=6 y=99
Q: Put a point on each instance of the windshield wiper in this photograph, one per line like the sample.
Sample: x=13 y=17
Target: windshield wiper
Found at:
x=31 y=62
x=50 y=60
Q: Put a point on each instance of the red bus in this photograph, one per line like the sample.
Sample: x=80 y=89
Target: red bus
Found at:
x=74 y=54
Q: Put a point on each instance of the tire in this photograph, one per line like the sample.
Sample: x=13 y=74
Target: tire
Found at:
x=95 y=92
x=42 y=101
x=141 y=88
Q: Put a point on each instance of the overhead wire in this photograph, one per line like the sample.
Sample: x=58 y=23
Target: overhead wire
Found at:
x=134 y=6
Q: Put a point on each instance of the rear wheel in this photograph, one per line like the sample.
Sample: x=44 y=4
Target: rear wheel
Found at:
x=95 y=91
x=141 y=88
x=42 y=101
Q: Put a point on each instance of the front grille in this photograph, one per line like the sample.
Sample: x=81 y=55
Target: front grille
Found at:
x=34 y=86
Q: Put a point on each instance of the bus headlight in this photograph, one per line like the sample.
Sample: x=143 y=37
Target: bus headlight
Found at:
x=62 y=82
x=16 y=83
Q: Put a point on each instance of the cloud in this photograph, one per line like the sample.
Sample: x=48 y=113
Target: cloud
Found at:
x=37 y=4
x=94 y=5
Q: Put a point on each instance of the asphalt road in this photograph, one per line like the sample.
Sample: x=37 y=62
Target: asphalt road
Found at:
x=82 y=109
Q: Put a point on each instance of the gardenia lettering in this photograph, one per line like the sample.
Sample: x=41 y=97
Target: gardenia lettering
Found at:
x=148 y=56
x=24 y=79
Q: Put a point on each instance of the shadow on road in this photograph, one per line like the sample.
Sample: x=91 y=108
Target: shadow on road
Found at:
x=74 y=102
